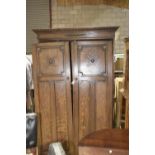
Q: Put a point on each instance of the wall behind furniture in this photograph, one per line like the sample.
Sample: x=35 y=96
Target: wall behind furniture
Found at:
x=37 y=17
x=93 y=16
x=76 y=17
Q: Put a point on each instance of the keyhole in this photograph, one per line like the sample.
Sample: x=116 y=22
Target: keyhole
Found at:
x=52 y=61
x=92 y=60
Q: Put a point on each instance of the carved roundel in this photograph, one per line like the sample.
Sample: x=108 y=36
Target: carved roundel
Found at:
x=92 y=57
x=51 y=61
x=92 y=60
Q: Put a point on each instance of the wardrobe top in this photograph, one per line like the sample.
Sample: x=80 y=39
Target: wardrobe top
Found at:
x=45 y=35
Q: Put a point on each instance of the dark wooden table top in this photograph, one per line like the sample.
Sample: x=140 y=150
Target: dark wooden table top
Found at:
x=107 y=138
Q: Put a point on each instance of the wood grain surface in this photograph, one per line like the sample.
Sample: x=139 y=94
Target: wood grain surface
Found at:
x=104 y=142
x=73 y=80
x=92 y=76
x=53 y=100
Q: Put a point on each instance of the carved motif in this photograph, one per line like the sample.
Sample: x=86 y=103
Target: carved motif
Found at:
x=92 y=60
x=52 y=61
x=92 y=57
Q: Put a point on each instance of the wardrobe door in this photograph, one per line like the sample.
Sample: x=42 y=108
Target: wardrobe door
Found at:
x=92 y=86
x=52 y=79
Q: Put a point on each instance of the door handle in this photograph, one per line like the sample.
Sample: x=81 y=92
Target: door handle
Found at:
x=73 y=82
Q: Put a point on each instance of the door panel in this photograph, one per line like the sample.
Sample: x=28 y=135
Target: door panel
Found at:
x=92 y=86
x=46 y=106
x=92 y=60
x=53 y=105
x=102 y=106
x=53 y=94
x=86 y=108
x=51 y=59
x=84 y=103
x=61 y=110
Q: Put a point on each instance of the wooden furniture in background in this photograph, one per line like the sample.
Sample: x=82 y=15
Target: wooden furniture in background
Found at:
x=124 y=110
x=123 y=98
x=118 y=65
x=104 y=142
x=73 y=79
x=118 y=101
x=126 y=65
x=126 y=82
x=118 y=81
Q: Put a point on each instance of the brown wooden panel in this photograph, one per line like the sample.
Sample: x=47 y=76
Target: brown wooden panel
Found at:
x=92 y=87
x=47 y=103
x=53 y=95
x=55 y=116
x=46 y=35
x=92 y=91
x=36 y=96
x=87 y=115
x=92 y=58
x=61 y=110
x=107 y=141
x=84 y=103
x=51 y=59
x=94 y=108
x=102 y=106
x=114 y=138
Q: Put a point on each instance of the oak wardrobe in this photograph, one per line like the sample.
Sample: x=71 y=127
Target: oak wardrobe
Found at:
x=73 y=81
